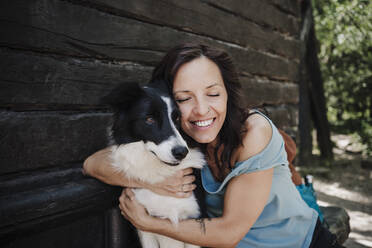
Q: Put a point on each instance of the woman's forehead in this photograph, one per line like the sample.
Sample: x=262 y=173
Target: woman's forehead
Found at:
x=200 y=73
x=206 y=86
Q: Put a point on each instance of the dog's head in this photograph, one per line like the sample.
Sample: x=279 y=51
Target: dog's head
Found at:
x=150 y=115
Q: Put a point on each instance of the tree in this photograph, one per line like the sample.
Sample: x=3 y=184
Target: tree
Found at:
x=344 y=30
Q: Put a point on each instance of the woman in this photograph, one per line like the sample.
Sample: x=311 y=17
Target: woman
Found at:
x=251 y=200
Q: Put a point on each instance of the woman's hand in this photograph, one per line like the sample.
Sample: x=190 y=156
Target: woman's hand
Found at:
x=179 y=185
x=133 y=211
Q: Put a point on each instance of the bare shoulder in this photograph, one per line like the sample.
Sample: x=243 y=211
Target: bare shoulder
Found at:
x=257 y=137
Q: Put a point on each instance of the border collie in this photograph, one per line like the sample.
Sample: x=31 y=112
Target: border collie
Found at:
x=147 y=146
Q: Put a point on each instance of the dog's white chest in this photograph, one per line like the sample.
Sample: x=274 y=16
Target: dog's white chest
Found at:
x=171 y=208
x=138 y=163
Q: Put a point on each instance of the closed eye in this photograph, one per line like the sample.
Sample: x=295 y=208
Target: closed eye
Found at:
x=214 y=95
x=182 y=100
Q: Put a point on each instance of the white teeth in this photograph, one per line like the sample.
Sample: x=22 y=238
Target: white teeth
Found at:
x=203 y=123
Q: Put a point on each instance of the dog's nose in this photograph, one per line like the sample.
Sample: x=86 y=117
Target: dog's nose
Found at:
x=180 y=152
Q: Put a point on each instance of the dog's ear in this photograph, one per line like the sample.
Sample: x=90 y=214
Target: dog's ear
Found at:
x=123 y=96
x=162 y=85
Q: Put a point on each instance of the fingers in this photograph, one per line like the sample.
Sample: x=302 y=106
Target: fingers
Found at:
x=124 y=210
x=179 y=185
x=187 y=187
x=185 y=190
x=126 y=202
x=182 y=187
x=183 y=194
x=125 y=198
x=188 y=179
x=122 y=202
x=180 y=180
x=126 y=193
x=129 y=193
x=186 y=171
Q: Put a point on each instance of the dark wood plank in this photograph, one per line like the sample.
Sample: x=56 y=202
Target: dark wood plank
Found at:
x=79 y=232
x=24 y=207
x=50 y=27
x=262 y=92
x=60 y=82
x=24 y=181
x=196 y=17
x=39 y=205
x=39 y=39
x=32 y=79
x=252 y=62
x=47 y=139
x=284 y=116
x=261 y=12
x=289 y=6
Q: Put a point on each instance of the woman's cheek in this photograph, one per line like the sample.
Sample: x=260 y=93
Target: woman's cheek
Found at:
x=184 y=109
x=184 y=124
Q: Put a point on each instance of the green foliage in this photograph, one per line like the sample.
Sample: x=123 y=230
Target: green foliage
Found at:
x=344 y=30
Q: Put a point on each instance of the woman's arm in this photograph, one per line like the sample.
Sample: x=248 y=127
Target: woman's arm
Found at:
x=245 y=198
x=99 y=166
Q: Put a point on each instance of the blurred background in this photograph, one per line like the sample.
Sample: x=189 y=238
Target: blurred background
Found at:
x=344 y=48
x=344 y=32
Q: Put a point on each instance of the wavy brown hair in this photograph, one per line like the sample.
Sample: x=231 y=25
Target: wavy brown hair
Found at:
x=230 y=135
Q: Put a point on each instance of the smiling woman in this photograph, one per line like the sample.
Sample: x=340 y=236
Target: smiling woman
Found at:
x=250 y=198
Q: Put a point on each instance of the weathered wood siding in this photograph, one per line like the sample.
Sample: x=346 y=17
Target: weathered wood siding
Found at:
x=58 y=58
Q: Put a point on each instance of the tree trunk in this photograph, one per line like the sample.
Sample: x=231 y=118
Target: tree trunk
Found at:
x=312 y=100
x=317 y=98
x=304 y=105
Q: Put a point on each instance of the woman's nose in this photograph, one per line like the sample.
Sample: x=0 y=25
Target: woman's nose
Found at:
x=201 y=107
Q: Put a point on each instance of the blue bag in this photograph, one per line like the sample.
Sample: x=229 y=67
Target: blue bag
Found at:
x=309 y=196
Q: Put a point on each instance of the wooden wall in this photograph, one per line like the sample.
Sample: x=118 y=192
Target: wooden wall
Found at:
x=58 y=58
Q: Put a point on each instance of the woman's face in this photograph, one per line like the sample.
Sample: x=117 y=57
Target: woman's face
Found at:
x=200 y=92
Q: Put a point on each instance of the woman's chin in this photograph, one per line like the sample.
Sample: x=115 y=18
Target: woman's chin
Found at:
x=204 y=139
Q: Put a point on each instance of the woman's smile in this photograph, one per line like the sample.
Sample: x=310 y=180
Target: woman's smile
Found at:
x=203 y=124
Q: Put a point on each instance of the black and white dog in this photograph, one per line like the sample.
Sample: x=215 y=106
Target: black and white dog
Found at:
x=147 y=146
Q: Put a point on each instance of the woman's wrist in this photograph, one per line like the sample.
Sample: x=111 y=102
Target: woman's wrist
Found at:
x=156 y=225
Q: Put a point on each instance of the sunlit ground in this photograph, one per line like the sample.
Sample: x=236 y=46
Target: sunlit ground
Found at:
x=349 y=186
x=358 y=206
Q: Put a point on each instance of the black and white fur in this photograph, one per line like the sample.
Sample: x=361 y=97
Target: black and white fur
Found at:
x=147 y=146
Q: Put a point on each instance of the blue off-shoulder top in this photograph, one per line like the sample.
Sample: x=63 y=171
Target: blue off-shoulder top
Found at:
x=286 y=220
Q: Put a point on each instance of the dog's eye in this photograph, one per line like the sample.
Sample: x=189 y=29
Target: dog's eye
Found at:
x=150 y=120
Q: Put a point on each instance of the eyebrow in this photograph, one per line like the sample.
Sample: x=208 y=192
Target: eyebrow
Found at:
x=208 y=87
x=212 y=85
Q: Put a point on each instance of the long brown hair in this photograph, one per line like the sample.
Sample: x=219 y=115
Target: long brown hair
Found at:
x=230 y=135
